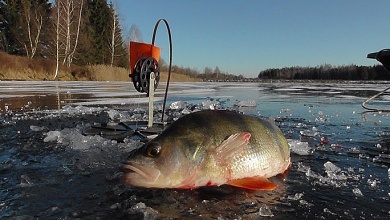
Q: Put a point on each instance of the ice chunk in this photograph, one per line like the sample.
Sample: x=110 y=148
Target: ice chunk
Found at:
x=372 y=183
x=388 y=172
x=329 y=166
x=37 y=128
x=334 y=172
x=265 y=211
x=25 y=180
x=302 y=168
x=295 y=197
x=208 y=104
x=306 y=133
x=357 y=192
x=147 y=212
x=300 y=148
x=116 y=115
x=321 y=117
x=74 y=139
x=246 y=103
x=326 y=210
x=178 y=105
x=113 y=114
x=52 y=136
x=305 y=203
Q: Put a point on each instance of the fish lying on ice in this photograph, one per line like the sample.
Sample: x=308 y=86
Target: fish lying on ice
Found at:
x=208 y=148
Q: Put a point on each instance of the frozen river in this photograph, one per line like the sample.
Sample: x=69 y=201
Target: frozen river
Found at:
x=50 y=168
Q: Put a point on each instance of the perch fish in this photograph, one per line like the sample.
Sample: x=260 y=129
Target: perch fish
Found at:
x=211 y=148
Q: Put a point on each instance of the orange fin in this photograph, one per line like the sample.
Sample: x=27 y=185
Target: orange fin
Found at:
x=253 y=183
x=234 y=144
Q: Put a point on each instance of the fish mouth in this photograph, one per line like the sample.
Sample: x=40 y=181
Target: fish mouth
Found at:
x=139 y=174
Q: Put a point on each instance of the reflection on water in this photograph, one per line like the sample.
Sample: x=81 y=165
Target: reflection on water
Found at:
x=50 y=169
x=38 y=102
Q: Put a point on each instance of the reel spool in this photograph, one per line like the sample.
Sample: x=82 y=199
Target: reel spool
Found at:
x=143 y=62
x=141 y=74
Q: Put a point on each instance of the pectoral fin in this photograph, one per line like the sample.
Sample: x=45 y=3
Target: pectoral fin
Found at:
x=253 y=183
x=234 y=144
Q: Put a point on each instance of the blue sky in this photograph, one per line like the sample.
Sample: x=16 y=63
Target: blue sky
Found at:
x=245 y=37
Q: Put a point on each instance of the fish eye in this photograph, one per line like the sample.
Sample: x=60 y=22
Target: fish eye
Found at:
x=153 y=150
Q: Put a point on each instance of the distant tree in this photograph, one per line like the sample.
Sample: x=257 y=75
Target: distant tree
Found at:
x=68 y=17
x=99 y=23
x=116 y=43
x=207 y=71
x=327 y=72
x=135 y=33
x=23 y=22
x=217 y=72
x=34 y=16
x=9 y=22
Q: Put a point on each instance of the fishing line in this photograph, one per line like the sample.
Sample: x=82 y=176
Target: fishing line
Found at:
x=170 y=61
x=373 y=97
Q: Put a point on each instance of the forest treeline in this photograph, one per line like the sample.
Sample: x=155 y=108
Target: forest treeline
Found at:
x=81 y=32
x=88 y=32
x=75 y=32
x=207 y=74
x=327 y=72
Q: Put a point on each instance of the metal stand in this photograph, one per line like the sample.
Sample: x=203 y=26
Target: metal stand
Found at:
x=151 y=99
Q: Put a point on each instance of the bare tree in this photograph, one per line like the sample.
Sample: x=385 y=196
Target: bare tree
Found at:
x=57 y=40
x=70 y=12
x=116 y=38
x=33 y=22
x=68 y=22
x=71 y=54
x=135 y=33
x=68 y=28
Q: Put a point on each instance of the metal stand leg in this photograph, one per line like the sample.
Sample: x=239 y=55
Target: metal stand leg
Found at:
x=151 y=99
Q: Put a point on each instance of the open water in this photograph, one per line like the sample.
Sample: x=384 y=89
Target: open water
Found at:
x=57 y=163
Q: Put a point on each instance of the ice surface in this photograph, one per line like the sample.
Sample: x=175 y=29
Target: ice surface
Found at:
x=246 y=103
x=345 y=163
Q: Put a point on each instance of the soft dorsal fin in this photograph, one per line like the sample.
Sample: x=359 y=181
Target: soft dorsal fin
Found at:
x=233 y=145
x=253 y=183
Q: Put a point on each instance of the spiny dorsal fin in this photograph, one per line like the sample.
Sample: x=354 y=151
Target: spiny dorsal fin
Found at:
x=233 y=145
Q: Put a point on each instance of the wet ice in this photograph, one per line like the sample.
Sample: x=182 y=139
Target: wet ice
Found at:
x=352 y=162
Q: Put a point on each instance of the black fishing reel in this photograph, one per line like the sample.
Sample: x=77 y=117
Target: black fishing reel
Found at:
x=141 y=74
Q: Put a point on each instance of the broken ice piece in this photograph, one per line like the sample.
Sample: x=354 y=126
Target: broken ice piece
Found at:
x=299 y=147
x=177 y=105
x=246 y=103
x=147 y=212
x=265 y=211
x=357 y=192
x=329 y=166
x=37 y=128
x=25 y=180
